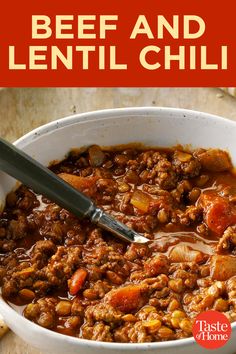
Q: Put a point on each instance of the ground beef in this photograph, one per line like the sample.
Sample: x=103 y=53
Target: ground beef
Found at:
x=99 y=332
x=133 y=333
x=102 y=312
x=18 y=228
x=42 y=251
x=228 y=241
x=61 y=266
x=185 y=165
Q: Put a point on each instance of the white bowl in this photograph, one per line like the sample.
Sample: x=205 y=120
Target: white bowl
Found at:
x=151 y=126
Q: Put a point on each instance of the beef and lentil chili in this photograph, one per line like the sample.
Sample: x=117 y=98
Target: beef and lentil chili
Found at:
x=69 y=276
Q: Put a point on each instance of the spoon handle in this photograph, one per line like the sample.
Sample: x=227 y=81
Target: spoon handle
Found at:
x=21 y=166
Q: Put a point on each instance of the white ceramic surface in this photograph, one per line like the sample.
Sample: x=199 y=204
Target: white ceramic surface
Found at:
x=151 y=126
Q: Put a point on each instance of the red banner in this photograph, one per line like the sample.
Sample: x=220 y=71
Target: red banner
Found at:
x=117 y=43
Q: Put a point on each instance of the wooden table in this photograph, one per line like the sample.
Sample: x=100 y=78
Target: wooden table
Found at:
x=24 y=109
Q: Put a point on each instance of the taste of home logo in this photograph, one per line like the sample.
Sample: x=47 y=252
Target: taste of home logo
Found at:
x=211 y=329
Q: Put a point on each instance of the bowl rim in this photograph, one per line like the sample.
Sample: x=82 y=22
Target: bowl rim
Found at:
x=100 y=115
x=115 y=113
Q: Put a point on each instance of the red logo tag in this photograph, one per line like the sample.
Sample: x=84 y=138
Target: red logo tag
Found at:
x=211 y=329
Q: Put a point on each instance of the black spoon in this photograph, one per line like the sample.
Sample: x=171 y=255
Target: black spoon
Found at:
x=24 y=168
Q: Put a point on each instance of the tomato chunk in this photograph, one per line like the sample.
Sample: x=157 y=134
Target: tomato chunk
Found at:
x=214 y=160
x=218 y=213
x=77 y=281
x=86 y=185
x=127 y=299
